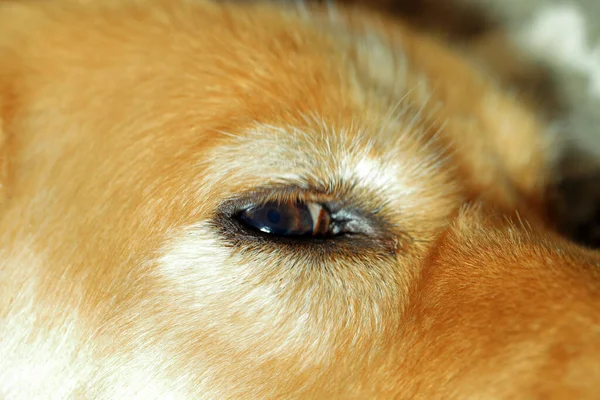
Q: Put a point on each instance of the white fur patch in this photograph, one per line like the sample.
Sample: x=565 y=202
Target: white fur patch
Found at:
x=36 y=363
x=210 y=277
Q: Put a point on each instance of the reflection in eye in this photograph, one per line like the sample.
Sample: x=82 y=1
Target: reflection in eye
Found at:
x=288 y=219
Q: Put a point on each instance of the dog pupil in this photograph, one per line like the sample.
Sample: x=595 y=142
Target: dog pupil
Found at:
x=273 y=216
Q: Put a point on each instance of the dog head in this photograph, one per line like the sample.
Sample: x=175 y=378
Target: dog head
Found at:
x=247 y=201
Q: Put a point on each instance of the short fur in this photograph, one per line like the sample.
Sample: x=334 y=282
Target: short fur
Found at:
x=127 y=127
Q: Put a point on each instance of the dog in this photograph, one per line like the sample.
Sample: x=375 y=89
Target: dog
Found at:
x=250 y=200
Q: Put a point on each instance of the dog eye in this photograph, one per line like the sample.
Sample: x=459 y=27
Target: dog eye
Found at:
x=288 y=219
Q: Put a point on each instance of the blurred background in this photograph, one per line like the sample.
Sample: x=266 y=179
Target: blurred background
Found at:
x=546 y=51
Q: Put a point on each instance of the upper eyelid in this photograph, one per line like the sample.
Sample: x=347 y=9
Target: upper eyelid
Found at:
x=263 y=196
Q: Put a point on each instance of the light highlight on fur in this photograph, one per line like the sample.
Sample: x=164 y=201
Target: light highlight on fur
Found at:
x=136 y=131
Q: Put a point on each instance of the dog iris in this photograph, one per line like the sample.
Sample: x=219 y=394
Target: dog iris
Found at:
x=287 y=219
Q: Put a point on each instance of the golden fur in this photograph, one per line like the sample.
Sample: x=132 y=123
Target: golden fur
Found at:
x=127 y=127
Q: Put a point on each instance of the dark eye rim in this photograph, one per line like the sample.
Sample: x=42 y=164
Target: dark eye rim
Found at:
x=372 y=232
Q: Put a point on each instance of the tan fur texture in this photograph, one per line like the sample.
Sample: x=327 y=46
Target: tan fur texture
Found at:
x=127 y=128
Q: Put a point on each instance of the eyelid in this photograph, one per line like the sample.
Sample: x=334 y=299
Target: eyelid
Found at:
x=261 y=197
x=344 y=215
x=353 y=228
